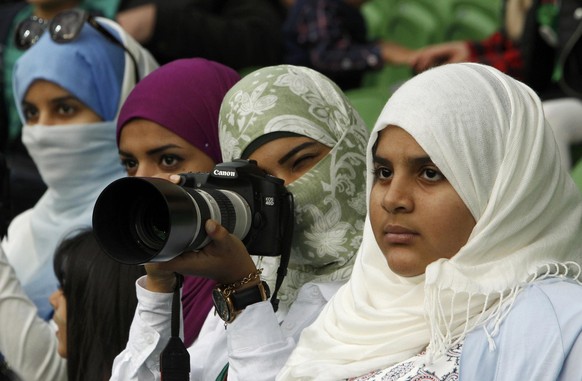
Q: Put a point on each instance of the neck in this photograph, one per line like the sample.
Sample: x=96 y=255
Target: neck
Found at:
x=50 y=10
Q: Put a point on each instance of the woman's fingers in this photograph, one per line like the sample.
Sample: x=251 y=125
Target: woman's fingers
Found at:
x=225 y=259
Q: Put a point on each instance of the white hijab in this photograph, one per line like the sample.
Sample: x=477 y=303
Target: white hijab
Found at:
x=486 y=132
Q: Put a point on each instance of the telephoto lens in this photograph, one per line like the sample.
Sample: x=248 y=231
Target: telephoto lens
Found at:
x=143 y=219
x=138 y=219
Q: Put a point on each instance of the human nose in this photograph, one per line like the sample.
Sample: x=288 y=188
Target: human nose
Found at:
x=398 y=197
x=144 y=169
x=45 y=119
x=54 y=298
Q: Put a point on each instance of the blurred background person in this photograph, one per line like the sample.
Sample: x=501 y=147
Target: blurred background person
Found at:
x=236 y=33
x=538 y=44
x=330 y=36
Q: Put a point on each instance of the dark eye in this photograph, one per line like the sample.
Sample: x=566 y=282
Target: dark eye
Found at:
x=382 y=173
x=130 y=165
x=432 y=174
x=66 y=109
x=30 y=113
x=303 y=161
x=170 y=160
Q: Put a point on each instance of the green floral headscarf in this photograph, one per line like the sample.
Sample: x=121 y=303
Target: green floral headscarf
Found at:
x=330 y=203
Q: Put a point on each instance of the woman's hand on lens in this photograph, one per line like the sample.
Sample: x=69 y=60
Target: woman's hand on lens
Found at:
x=166 y=176
x=225 y=259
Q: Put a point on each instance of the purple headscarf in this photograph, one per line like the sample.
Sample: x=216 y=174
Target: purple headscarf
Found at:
x=184 y=96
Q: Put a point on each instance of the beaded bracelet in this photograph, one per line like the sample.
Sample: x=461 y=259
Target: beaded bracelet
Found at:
x=230 y=288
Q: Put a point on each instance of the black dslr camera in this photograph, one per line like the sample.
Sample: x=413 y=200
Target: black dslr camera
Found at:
x=138 y=220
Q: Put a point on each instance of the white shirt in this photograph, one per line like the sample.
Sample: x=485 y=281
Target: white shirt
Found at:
x=256 y=345
x=33 y=268
x=27 y=342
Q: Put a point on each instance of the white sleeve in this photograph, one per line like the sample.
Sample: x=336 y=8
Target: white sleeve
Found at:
x=148 y=336
x=27 y=342
x=257 y=347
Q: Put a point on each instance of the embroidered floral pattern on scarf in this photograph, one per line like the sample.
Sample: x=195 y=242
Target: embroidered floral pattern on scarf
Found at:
x=330 y=200
x=415 y=369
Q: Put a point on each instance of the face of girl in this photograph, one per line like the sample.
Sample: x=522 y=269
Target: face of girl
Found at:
x=147 y=149
x=289 y=158
x=59 y=303
x=48 y=104
x=416 y=214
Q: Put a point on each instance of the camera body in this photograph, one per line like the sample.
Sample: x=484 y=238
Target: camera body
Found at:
x=138 y=220
x=265 y=195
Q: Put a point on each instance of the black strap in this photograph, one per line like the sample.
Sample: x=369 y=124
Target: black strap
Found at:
x=176 y=304
x=286 y=253
x=222 y=376
x=248 y=296
x=175 y=359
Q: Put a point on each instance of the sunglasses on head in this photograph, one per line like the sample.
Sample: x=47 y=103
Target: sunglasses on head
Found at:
x=64 y=27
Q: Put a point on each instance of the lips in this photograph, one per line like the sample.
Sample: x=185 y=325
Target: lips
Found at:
x=394 y=234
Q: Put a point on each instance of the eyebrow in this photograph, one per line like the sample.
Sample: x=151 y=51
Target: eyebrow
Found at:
x=152 y=151
x=55 y=100
x=65 y=98
x=294 y=151
x=415 y=161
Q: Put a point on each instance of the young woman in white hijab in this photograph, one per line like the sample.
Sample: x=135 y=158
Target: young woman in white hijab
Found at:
x=71 y=139
x=470 y=263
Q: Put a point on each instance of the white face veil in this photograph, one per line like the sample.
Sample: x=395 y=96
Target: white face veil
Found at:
x=75 y=161
x=486 y=132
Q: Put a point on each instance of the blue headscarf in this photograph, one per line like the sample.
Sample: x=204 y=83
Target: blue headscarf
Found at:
x=89 y=67
x=76 y=161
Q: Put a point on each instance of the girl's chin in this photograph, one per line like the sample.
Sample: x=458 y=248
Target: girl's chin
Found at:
x=62 y=352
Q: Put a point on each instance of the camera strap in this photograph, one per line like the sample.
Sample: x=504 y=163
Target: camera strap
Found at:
x=286 y=253
x=175 y=359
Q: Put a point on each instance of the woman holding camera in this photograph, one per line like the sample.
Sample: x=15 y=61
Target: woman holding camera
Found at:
x=68 y=88
x=169 y=124
x=298 y=126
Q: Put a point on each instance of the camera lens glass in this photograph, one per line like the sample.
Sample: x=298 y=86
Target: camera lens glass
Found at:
x=151 y=225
